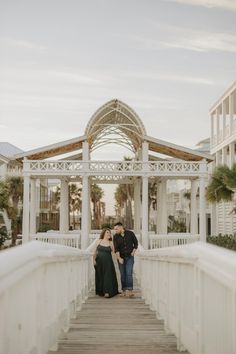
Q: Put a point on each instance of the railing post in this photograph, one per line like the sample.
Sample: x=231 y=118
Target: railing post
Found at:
x=202 y=199
x=64 y=206
x=193 y=214
x=32 y=206
x=26 y=216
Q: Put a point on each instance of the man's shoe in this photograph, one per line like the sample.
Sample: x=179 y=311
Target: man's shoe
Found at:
x=130 y=294
x=123 y=293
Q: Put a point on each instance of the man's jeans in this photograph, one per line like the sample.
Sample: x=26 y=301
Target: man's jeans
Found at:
x=126 y=273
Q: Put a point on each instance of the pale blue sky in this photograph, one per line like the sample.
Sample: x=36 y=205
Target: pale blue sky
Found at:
x=62 y=59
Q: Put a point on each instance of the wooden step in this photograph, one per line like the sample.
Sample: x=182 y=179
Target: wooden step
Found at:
x=119 y=325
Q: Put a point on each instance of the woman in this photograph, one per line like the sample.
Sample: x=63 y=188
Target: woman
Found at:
x=105 y=274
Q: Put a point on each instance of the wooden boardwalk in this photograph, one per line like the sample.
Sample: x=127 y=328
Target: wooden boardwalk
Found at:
x=116 y=326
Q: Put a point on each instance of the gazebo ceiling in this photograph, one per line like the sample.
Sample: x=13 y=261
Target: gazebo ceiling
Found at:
x=53 y=149
x=114 y=122
x=176 y=151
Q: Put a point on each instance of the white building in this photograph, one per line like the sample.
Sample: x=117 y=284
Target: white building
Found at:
x=8 y=165
x=223 y=147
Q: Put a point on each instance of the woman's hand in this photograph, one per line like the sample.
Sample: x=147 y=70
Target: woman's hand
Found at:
x=120 y=260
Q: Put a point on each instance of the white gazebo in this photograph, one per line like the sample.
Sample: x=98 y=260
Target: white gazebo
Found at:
x=114 y=122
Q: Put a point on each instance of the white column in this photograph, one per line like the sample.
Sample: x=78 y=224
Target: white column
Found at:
x=137 y=204
x=145 y=216
x=218 y=159
x=164 y=218
x=224 y=119
x=89 y=207
x=85 y=151
x=159 y=207
x=212 y=130
x=145 y=147
x=25 y=225
x=224 y=155
x=32 y=206
x=217 y=125
x=145 y=237
x=213 y=219
x=85 y=199
x=64 y=207
x=202 y=209
x=194 y=213
x=231 y=154
x=85 y=213
x=231 y=108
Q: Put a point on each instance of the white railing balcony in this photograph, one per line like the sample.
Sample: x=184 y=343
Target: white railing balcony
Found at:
x=193 y=289
x=171 y=239
x=117 y=168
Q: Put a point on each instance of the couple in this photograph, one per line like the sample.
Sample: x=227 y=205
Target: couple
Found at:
x=124 y=246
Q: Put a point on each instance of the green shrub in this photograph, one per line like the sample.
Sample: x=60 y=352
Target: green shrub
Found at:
x=3 y=236
x=226 y=241
x=44 y=227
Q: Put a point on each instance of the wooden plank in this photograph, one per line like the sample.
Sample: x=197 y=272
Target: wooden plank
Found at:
x=116 y=326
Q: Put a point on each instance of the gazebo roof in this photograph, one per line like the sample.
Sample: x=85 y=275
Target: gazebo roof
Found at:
x=47 y=151
x=114 y=122
x=177 y=151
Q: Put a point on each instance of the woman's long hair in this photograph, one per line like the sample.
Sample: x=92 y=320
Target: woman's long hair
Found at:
x=103 y=233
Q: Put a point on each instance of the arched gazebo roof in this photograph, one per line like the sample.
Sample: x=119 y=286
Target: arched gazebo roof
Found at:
x=115 y=122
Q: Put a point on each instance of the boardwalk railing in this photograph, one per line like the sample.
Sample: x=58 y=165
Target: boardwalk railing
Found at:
x=68 y=239
x=41 y=286
x=172 y=239
x=193 y=289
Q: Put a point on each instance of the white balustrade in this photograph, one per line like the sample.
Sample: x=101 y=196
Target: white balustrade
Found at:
x=117 y=168
x=69 y=239
x=171 y=239
x=193 y=289
x=41 y=286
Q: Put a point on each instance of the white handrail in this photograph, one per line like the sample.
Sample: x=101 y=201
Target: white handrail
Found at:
x=193 y=289
x=71 y=239
x=41 y=286
x=171 y=239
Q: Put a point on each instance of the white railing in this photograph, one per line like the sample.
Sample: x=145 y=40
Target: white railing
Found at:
x=118 y=168
x=193 y=289
x=56 y=238
x=171 y=239
x=41 y=286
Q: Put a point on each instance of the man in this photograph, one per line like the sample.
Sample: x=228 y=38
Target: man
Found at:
x=125 y=244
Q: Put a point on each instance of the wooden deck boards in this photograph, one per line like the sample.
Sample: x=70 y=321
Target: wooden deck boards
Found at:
x=116 y=326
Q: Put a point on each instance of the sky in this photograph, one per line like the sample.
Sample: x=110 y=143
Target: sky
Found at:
x=60 y=60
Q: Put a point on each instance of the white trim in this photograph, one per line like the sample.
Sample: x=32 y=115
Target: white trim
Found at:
x=223 y=97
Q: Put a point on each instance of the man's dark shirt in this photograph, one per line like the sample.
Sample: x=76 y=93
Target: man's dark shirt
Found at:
x=125 y=244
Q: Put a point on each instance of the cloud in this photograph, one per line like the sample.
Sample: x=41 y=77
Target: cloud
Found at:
x=20 y=43
x=63 y=76
x=202 y=41
x=174 y=37
x=171 y=77
x=225 y=4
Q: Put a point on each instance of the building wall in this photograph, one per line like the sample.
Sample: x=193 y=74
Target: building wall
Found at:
x=223 y=147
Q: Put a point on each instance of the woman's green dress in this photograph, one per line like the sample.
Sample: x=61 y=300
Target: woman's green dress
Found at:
x=105 y=274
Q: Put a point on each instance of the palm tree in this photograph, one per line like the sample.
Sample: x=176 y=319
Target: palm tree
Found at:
x=11 y=193
x=74 y=200
x=96 y=195
x=123 y=195
x=4 y=195
x=222 y=185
